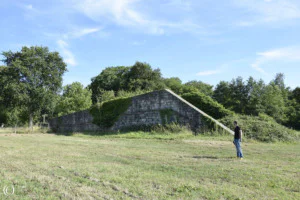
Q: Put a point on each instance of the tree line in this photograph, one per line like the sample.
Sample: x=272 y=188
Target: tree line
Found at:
x=31 y=85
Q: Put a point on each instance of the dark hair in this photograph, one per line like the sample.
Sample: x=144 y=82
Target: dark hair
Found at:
x=235 y=122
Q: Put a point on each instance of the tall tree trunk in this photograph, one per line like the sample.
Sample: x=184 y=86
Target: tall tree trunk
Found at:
x=30 y=122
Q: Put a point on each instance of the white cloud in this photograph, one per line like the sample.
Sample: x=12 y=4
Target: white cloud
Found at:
x=63 y=42
x=120 y=11
x=138 y=43
x=182 y=4
x=127 y=13
x=208 y=73
x=67 y=54
x=287 y=54
x=77 y=33
x=224 y=67
x=30 y=12
x=257 y=67
x=28 y=7
x=268 y=11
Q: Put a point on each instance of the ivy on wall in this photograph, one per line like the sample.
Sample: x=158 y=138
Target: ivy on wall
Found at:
x=107 y=113
x=207 y=105
x=167 y=116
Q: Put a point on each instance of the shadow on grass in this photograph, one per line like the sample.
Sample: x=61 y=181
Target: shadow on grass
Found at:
x=132 y=135
x=212 y=157
x=137 y=131
x=88 y=133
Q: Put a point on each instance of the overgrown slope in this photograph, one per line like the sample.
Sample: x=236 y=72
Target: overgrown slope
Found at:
x=262 y=128
x=107 y=113
x=207 y=104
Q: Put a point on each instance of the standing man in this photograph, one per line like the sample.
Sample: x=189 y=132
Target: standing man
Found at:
x=237 y=140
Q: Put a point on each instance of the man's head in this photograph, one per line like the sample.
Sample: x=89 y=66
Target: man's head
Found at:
x=235 y=123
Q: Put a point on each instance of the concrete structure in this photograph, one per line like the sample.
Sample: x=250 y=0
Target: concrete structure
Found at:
x=158 y=107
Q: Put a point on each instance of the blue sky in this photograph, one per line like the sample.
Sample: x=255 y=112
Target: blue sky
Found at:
x=201 y=40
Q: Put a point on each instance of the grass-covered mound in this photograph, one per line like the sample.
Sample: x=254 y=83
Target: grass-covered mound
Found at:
x=262 y=128
x=207 y=105
x=107 y=113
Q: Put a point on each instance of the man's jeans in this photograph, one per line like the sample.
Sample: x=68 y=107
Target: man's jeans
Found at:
x=237 y=143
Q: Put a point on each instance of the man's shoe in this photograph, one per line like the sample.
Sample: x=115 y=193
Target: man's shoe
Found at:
x=241 y=158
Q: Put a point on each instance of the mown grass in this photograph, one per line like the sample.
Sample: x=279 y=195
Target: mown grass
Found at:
x=140 y=166
x=23 y=130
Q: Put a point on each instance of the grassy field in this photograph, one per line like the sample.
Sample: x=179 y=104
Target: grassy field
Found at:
x=133 y=166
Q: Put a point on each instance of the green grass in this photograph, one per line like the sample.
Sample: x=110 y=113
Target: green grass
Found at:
x=144 y=166
x=23 y=130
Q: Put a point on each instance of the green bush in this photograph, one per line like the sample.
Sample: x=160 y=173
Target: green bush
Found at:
x=207 y=105
x=107 y=113
x=262 y=128
x=126 y=93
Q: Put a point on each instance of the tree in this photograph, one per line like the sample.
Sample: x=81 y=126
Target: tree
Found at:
x=111 y=78
x=174 y=83
x=273 y=102
x=201 y=87
x=279 y=81
x=293 y=109
x=3 y=115
x=255 y=91
x=74 y=98
x=31 y=79
x=296 y=94
x=239 y=95
x=141 y=76
x=293 y=114
x=223 y=94
x=104 y=95
x=136 y=78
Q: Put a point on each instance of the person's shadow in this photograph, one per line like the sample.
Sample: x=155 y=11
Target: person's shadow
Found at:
x=205 y=157
x=211 y=157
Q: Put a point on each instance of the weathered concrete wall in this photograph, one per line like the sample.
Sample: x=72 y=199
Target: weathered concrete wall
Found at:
x=157 y=107
x=75 y=122
x=147 y=109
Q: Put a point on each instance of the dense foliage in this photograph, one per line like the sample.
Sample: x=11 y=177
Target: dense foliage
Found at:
x=175 y=84
x=107 y=113
x=200 y=87
x=262 y=128
x=30 y=81
x=74 y=98
x=207 y=105
x=138 y=77
x=253 y=97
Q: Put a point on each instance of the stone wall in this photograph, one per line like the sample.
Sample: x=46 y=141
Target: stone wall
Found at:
x=148 y=109
x=75 y=122
x=158 y=107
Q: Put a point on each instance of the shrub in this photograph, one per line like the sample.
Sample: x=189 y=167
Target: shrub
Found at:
x=107 y=113
x=124 y=94
x=262 y=128
x=207 y=105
